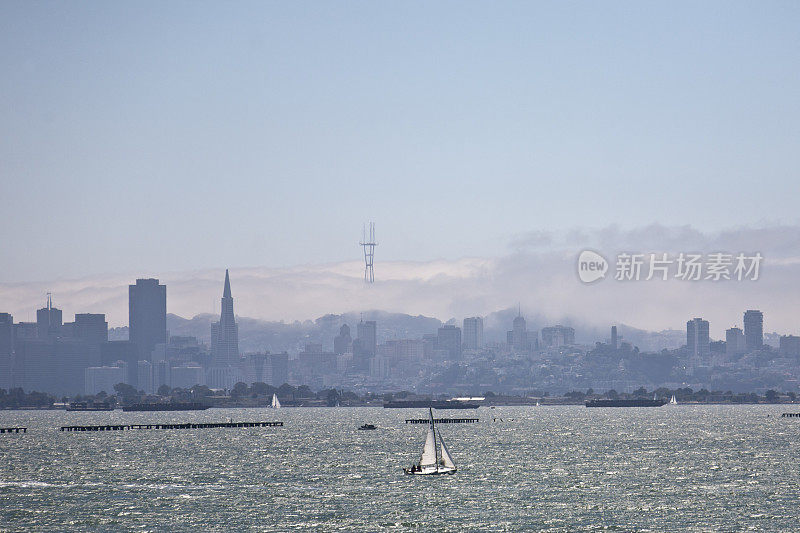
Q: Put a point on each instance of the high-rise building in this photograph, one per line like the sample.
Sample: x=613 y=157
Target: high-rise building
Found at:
x=91 y=328
x=368 y=336
x=279 y=369
x=25 y=331
x=753 y=329
x=697 y=340
x=225 y=333
x=734 y=342
x=6 y=334
x=449 y=340
x=342 y=343
x=147 y=316
x=555 y=336
x=48 y=321
x=614 y=341
x=6 y=350
x=518 y=334
x=473 y=333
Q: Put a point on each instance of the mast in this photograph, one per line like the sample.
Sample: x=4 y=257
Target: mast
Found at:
x=435 y=443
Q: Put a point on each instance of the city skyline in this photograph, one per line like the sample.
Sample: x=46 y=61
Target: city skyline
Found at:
x=540 y=274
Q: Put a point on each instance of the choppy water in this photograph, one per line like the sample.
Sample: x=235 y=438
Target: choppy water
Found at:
x=535 y=468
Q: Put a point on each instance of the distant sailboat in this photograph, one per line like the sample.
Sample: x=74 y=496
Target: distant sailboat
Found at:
x=276 y=404
x=673 y=401
x=430 y=463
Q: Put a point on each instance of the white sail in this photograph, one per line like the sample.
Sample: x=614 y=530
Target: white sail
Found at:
x=429 y=451
x=448 y=460
x=275 y=402
x=673 y=401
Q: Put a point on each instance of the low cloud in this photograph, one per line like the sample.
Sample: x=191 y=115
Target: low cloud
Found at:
x=539 y=274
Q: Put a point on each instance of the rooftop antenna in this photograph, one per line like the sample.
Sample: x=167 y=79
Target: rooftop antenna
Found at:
x=369 y=244
x=49 y=301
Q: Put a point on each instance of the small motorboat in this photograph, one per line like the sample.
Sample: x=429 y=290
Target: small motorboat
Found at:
x=367 y=427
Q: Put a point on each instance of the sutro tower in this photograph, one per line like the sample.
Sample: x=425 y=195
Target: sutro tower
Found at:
x=369 y=244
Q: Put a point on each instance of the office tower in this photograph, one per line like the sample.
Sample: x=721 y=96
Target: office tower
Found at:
x=473 y=333
x=35 y=365
x=753 y=329
x=72 y=357
x=161 y=374
x=734 y=342
x=48 y=321
x=225 y=333
x=518 y=334
x=449 y=340
x=368 y=337
x=91 y=328
x=279 y=369
x=614 y=340
x=342 y=343
x=6 y=350
x=555 y=336
x=6 y=334
x=25 y=331
x=697 y=340
x=147 y=316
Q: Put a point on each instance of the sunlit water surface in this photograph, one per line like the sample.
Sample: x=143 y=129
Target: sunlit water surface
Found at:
x=520 y=468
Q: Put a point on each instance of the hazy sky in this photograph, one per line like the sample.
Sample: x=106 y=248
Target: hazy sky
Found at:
x=166 y=136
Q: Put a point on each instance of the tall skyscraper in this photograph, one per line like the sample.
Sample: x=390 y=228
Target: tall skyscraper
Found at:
x=697 y=340
x=614 y=341
x=555 y=336
x=342 y=343
x=147 y=316
x=225 y=333
x=6 y=350
x=753 y=329
x=91 y=328
x=473 y=333
x=734 y=342
x=518 y=334
x=449 y=339
x=368 y=337
x=6 y=334
x=48 y=321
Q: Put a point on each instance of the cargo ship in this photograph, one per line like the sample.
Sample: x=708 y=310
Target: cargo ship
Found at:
x=435 y=404
x=637 y=402
x=165 y=407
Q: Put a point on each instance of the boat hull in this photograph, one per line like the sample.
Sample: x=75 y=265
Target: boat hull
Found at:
x=430 y=471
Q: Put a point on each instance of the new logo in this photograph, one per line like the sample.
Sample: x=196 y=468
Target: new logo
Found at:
x=591 y=266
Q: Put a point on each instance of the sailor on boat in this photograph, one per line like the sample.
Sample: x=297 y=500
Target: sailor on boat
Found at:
x=431 y=462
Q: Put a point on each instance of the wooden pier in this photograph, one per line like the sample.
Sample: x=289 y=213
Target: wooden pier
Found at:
x=442 y=420
x=200 y=425
x=13 y=430
x=790 y=415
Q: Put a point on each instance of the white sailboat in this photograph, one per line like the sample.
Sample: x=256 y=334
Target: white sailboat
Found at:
x=431 y=463
x=673 y=401
x=276 y=404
